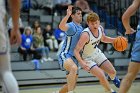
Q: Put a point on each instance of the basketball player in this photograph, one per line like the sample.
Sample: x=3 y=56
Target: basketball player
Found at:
x=8 y=81
x=134 y=65
x=92 y=59
x=67 y=60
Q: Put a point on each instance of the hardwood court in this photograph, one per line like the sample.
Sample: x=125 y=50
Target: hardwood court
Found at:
x=81 y=88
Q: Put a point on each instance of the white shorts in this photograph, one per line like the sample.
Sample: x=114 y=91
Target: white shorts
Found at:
x=97 y=58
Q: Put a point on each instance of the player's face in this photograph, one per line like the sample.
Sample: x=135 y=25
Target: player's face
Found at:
x=94 y=25
x=77 y=16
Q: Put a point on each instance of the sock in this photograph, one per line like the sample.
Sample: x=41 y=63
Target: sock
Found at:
x=112 y=90
x=112 y=78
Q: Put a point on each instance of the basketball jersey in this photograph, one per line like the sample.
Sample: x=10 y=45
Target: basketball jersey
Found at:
x=135 y=54
x=72 y=36
x=93 y=42
x=2 y=9
x=3 y=33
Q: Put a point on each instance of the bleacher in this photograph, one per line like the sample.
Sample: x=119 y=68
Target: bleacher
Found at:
x=49 y=72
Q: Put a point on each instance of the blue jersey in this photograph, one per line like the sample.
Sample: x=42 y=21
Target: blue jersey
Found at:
x=135 y=54
x=72 y=36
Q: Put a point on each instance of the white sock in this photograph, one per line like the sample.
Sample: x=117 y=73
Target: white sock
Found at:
x=112 y=90
x=112 y=78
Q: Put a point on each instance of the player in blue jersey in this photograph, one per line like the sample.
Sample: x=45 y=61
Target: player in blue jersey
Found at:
x=134 y=65
x=67 y=60
x=7 y=78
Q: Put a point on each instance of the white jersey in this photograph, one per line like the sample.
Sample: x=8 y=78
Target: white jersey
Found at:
x=3 y=33
x=2 y=9
x=93 y=42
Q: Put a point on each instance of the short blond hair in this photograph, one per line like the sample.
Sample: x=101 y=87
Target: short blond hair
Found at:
x=92 y=17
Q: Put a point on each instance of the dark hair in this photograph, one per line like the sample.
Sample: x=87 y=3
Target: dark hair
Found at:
x=37 y=27
x=74 y=9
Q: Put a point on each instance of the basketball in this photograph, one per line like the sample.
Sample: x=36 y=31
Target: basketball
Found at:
x=120 y=43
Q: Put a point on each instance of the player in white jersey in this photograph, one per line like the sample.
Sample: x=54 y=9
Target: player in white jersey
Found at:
x=8 y=81
x=92 y=59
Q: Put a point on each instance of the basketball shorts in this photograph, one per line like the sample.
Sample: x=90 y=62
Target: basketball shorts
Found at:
x=63 y=57
x=96 y=58
x=135 y=54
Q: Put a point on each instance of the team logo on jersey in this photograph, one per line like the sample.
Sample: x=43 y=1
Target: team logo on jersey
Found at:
x=96 y=43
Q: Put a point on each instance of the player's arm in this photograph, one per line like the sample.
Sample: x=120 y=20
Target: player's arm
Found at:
x=105 y=38
x=63 y=24
x=81 y=43
x=128 y=13
x=15 y=36
x=15 y=13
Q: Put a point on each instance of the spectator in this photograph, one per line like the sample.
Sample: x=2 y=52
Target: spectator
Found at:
x=38 y=45
x=10 y=25
x=59 y=35
x=35 y=25
x=26 y=5
x=27 y=40
x=48 y=6
x=83 y=4
x=49 y=38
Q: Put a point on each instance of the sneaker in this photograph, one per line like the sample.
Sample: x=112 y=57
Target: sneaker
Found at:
x=111 y=91
x=44 y=59
x=49 y=59
x=116 y=82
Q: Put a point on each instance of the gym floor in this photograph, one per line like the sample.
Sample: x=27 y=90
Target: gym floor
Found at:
x=90 y=87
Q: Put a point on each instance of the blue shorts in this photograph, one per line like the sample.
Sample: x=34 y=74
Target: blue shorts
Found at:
x=63 y=57
x=135 y=54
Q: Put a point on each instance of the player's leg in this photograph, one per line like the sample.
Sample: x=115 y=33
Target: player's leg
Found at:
x=110 y=70
x=101 y=76
x=2 y=86
x=8 y=79
x=72 y=68
x=64 y=89
x=133 y=70
x=106 y=65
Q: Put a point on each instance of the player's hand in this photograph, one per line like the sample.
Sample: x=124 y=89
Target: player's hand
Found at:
x=130 y=31
x=69 y=10
x=15 y=37
x=85 y=66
